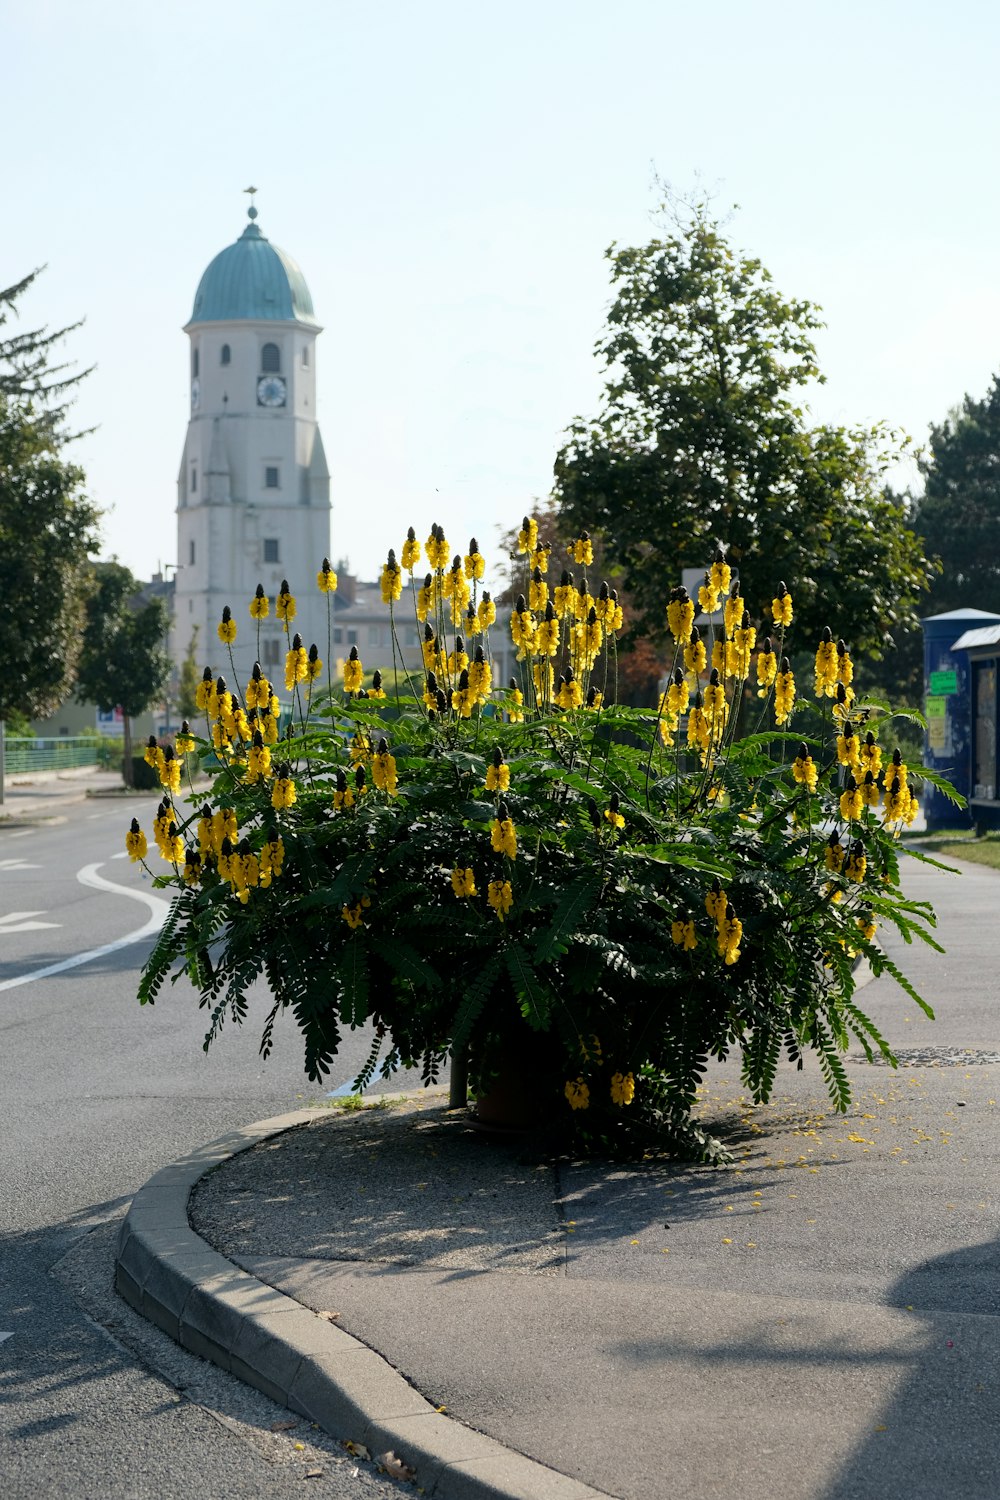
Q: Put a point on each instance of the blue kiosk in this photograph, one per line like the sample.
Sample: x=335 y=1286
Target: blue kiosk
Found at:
x=961 y=656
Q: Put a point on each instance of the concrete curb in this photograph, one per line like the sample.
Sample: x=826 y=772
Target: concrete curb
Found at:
x=208 y=1305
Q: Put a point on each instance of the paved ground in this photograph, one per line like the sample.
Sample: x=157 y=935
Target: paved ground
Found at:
x=819 y=1320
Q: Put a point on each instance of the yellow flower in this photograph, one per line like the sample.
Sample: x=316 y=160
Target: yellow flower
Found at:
x=833 y=855
x=326 y=578
x=353 y=915
x=540 y=556
x=866 y=922
x=784 y=693
x=502 y=834
x=153 y=755
x=612 y=813
x=192 y=866
x=582 y=550
x=344 y=794
x=730 y=932
x=184 y=742
x=486 y=613
x=271 y=857
x=226 y=628
x=781 y=606
x=283 y=792
x=285 y=607
x=716 y=902
x=622 y=1088
x=570 y=694
x=527 y=537
x=170 y=771
x=680 y=615
x=767 y=668
x=384 y=769
x=515 y=703
x=438 y=550
x=851 y=800
x=463 y=881
x=856 y=864
x=826 y=665
x=577 y=1093
x=734 y=611
x=411 y=551
x=683 y=933
x=474 y=563
x=260 y=606
x=501 y=897
x=480 y=677
x=203 y=692
x=353 y=672
x=296 y=664
x=135 y=841
x=391 y=580
x=258 y=759
x=804 y=769
x=498 y=773
x=695 y=659
x=870 y=755
x=538 y=592
x=719 y=576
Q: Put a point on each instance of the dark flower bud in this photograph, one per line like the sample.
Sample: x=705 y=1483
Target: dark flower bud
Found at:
x=383 y=746
x=353 y=654
x=442 y=702
x=827 y=635
x=479 y=658
x=256 y=674
x=207 y=675
x=296 y=643
x=428 y=632
x=359 y=777
x=678 y=676
x=314 y=653
x=377 y=680
x=151 y=742
x=520 y=605
x=473 y=547
x=220 y=686
x=497 y=756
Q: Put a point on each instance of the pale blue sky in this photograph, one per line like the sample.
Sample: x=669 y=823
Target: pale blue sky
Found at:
x=448 y=176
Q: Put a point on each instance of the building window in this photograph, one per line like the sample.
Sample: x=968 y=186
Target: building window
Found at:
x=225 y=355
x=271 y=477
x=352 y=637
x=194 y=478
x=305 y=355
x=271 y=550
x=272 y=650
x=191 y=554
x=270 y=359
x=338 y=635
x=374 y=635
x=194 y=361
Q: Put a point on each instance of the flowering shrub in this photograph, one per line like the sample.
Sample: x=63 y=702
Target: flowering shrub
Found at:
x=463 y=864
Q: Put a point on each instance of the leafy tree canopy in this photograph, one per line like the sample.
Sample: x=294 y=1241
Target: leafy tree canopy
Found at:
x=47 y=529
x=701 y=441
x=123 y=662
x=26 y=371
x=959 y=512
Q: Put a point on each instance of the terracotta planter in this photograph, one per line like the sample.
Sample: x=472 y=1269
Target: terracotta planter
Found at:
x=519 y=1098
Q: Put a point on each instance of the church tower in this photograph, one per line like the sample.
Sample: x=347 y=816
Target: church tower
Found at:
x=253 y=492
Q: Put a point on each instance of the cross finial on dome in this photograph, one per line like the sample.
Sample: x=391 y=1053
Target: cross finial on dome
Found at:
x=251 y=211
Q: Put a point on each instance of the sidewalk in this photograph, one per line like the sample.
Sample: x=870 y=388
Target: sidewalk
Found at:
x=43 y=793
x=820 y=1321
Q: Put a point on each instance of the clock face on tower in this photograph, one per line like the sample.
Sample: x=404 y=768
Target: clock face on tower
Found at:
x=271 y=390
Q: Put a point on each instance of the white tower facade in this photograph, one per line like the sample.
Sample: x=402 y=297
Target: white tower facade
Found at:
x=253 y=491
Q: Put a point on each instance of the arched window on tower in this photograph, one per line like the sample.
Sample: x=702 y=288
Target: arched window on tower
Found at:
x=270 y=359
x=225 y=356
x=194 y=362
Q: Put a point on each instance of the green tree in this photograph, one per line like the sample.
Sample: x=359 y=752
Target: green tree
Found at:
x=958 y=514
x=702 y=442
x=123 y=663
x=47 y=529
x=26 y=370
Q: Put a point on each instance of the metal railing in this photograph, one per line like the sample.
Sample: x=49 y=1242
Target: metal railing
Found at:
x=23 y=756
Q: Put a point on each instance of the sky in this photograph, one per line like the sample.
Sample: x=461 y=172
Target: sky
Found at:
x=448 y=176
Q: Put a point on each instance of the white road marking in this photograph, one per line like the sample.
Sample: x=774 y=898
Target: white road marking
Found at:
x=5 y=1336
x=22 y=833
x=21 y=921
x=7 y=865
x=88 y=876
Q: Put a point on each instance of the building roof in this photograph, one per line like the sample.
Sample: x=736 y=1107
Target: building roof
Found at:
x=253 y=280
x=963 y=614
x=986 y=635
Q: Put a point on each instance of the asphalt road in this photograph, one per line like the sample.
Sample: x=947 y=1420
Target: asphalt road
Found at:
x=96 y=1094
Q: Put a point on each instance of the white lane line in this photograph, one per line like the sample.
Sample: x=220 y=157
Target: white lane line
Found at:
x=22 y=833
x=21 y=921
x=8 y=865
x=88 y=876
x=5 y=1336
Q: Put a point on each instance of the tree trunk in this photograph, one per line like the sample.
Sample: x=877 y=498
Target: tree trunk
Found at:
x=127 y=751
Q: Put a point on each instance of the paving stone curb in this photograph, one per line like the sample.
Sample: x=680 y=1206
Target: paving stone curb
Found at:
x=210 y=1306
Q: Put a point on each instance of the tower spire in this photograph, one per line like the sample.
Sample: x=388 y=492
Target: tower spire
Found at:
x=252 y=210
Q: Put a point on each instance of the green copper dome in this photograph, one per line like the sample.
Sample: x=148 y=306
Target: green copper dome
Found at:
x=253 y=279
